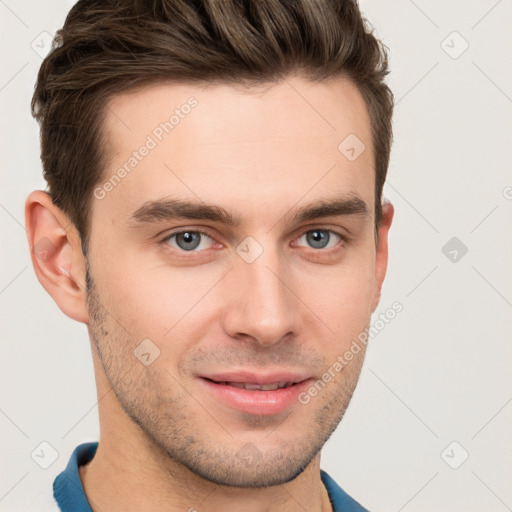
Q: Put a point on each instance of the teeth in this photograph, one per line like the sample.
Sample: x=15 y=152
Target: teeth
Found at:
x=259 y=387
x=262 y=387
x=235 y=384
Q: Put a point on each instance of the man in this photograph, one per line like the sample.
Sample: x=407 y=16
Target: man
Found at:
x=214 y=215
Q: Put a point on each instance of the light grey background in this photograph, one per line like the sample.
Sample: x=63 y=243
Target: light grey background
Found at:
x=439 y=372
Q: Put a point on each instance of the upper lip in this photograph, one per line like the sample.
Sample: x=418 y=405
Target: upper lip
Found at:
x=257 y=378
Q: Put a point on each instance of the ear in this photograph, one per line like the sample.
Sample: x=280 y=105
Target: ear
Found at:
x=381 y=262
x=56 y=254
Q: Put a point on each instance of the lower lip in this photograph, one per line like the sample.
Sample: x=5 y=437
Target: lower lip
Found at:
x=256 y=402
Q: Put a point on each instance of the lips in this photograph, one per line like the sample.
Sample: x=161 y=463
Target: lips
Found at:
x=256 y=393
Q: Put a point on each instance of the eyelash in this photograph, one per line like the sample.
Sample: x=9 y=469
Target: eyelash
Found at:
x=316 y=252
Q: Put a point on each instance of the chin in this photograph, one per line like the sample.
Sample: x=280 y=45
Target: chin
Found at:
x=252 y=477
x=249 y=468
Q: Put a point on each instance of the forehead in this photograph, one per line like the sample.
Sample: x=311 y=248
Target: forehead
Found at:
x=252 y=148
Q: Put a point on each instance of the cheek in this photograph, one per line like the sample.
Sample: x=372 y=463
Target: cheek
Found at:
x=162 y=303
x=342 y=299
x=157 y=302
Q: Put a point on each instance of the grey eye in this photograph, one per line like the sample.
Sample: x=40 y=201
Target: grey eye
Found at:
x=189 y=240
x=318 y=238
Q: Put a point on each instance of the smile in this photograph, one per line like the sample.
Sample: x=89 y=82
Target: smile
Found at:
x=255 y=393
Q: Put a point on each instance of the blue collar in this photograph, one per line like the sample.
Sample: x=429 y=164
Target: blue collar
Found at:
x=69 y=492
x=340 y=500
x=67 y=487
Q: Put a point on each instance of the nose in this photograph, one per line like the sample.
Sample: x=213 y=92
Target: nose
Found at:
x=261 y=305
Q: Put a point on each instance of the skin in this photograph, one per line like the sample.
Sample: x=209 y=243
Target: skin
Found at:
x=261 y=154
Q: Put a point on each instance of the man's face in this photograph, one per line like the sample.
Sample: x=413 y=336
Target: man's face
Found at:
x=271 y=298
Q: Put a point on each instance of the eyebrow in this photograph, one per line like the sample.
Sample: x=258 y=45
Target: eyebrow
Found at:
x=171 y=209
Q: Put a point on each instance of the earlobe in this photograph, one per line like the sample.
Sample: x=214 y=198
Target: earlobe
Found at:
x=381 y=263
x=56 y=254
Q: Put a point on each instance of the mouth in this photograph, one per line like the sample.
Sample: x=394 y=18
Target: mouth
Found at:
x=251 y=386
x=256 y=393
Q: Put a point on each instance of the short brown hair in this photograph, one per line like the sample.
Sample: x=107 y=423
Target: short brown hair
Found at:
x=110 y=46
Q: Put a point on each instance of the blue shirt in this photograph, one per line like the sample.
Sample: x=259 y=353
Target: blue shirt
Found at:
x=70 y=495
